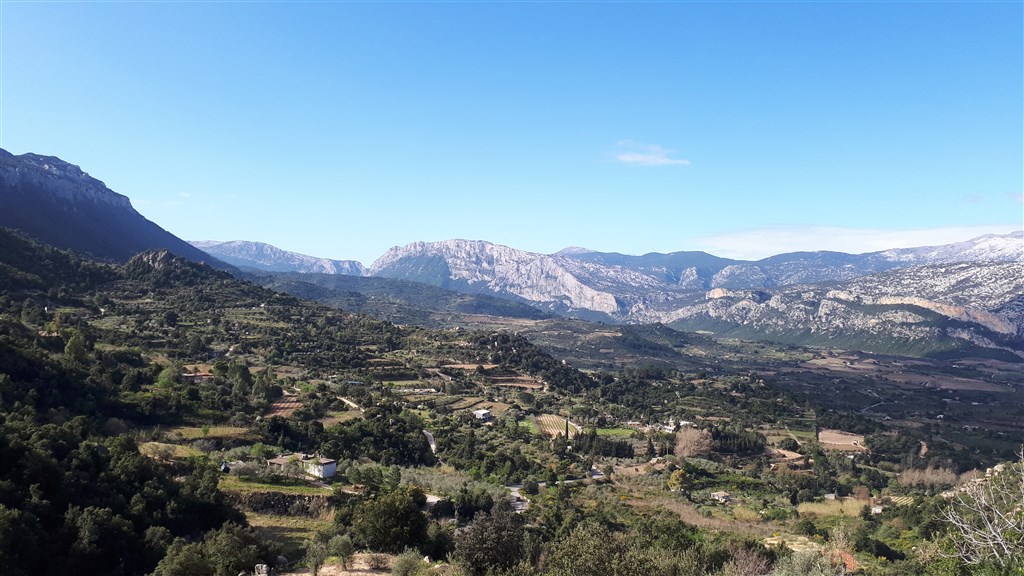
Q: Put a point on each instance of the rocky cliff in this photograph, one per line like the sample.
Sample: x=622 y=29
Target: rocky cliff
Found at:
x=57 y=203
x=476 y=266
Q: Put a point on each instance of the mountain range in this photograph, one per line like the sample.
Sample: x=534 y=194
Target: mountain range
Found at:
x=956 y=299
x=267 y=258
x=965 y=298
x=61 y=205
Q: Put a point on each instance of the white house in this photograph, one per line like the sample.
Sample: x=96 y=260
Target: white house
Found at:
x=320 y=467
x=482 y=414
x=722 y=496
x=312 y=464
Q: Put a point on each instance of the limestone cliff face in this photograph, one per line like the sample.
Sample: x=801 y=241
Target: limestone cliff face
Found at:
x=909 y=303
x=485 y=266
x=62 y=180
x=57 y=203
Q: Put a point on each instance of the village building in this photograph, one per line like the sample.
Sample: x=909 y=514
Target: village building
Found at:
x=723 y=496
x=483 y=415
x=312 y=464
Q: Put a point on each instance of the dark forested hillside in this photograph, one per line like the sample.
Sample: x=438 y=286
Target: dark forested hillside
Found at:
x=57 y=203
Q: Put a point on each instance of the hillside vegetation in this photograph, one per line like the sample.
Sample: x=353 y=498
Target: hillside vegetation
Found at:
x=140 y=405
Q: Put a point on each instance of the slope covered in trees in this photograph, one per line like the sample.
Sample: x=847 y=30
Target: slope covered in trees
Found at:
x=140 y=405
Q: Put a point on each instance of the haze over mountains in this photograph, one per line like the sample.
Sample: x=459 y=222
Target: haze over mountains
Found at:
x=260 y=256
x=959 y=299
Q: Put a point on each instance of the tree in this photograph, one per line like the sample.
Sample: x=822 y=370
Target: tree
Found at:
x=390 y=523
x=408 y=563
x=342 y=547
x=691 y=442
x=986 y=519
x=492 y=542
x=223 y=552
x=316 y=555
x=681 y=481
x=586 y=551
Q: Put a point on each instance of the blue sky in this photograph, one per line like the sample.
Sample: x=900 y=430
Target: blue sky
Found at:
x=342 y=129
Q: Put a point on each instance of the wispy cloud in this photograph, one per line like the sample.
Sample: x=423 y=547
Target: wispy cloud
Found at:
x=1016 y=196
x=185 y=194
x=760 y=243
x=637 y=154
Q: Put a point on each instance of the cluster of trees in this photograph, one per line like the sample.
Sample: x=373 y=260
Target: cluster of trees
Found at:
x=489 y=453
x=70 y=498
x=515 y=351
x=590 y=444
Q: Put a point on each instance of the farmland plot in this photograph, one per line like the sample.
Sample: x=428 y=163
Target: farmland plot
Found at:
x=553 y=425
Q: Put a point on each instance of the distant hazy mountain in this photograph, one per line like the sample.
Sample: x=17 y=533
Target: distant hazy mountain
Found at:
x=933 y=300
x=555 y=282
x=260 y=256
x=988 y=248
x=59 y=204
x=625 y=288
x=962 y=308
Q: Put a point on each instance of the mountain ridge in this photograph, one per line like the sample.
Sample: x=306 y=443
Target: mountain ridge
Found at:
x=58 y=203
x=965 y=294
x=269 y=258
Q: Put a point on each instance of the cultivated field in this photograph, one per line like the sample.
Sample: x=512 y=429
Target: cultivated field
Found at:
x=845 y=507
x=523 y=382
x=291 y=532
x=841 y=441
x=553 y=425
x=333 y=418
x=196 y=432
x=470 y=366
x=909 y=373
x=284 y=407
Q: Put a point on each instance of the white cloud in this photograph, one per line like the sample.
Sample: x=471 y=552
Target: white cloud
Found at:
x=760 y=243
x=638 y=154
x=185 y=194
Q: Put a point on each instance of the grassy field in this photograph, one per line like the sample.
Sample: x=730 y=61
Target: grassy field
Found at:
x=831 y=508
x=466 y=403
x=160 y=450
x=333 y=418
x=496 y=408
x=196 y=432
x=530 y=425
x=290 y=531
x=236 y=484
x=616 y=432
x=406 y=383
